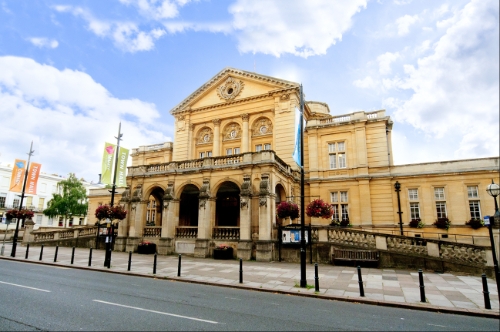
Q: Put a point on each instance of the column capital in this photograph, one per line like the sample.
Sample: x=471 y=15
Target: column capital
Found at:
x=244 y=117
x=216 y=122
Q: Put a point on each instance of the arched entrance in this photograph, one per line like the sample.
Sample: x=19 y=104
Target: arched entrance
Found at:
x=280 y=197
x=228 y=205
x=154 y=207
x=188 y=211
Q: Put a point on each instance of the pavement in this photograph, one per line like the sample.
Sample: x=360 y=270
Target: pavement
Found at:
x=455 y=293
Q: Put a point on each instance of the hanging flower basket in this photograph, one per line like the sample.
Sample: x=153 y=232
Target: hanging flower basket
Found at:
x=104 y=212
x=475 y=223
x=319 y=209
x=442 y=223
x=416 y=223
x=19 y=214
x=287 y=210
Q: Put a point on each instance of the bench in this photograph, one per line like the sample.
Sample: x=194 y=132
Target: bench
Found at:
x=355 y=256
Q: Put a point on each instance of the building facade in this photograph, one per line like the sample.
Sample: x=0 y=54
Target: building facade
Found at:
x=231 y=163
x=46 y=186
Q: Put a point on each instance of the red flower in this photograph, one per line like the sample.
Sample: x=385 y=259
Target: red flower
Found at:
x=319 y=209
x=107 y=212
x=287 y=209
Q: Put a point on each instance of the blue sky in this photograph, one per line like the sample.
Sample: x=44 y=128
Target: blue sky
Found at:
x=70 y=71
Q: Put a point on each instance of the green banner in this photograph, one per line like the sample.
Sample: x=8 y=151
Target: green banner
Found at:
x=121 y=170
x=107 y=163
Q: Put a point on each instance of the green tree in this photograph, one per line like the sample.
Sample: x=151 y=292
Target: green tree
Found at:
x=69 y=200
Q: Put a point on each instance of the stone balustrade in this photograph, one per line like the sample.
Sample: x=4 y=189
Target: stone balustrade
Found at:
x=448 y=251
x=42 y=235
x=152 y=231
x=226 y=233
x=186 y=232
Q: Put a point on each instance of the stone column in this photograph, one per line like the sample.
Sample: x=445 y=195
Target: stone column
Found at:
x=264 y=246
x=190 y=141
x=216 y=146
x=244 y=136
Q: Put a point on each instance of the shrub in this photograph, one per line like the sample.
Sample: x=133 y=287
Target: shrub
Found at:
x=475 y=223
x=443 y=223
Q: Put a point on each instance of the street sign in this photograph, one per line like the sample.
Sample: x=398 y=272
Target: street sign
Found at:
x=486 y=220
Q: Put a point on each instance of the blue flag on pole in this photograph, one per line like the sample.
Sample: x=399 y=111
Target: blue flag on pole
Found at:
x=298 y=131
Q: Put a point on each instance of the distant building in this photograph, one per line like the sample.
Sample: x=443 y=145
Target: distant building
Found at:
x=231 y=163
x=47 y=185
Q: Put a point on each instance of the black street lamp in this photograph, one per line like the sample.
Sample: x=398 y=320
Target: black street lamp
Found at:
x=494 y=190
x=397 y=186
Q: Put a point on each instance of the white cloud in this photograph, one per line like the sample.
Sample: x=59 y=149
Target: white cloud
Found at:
x=44 y=42
x=125 y=35
x=385 y=60
x=366 y=83
x=157 y=9
x=456 y=88
x=68 y=115
x=300 y=28
x=403 y=23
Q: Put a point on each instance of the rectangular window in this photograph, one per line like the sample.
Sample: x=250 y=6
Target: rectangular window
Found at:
x=41 y=202
x=267 y=146
x=80 y=221
x=2 y=201
x=229 y=152
x=70 y=222
x=202 y=155
x=60 y=221
x=258 y=148
x=236 y=150
x=340 y=211
x=439 y=193
x=51 y=221
x=39 y=219
x=472 y=192
x=475 y=210
x=16 y=202
x=337 y=157
x=414 y=210
x=413 y=194
x=209 y=153
x=29 y=201
x=441 y=209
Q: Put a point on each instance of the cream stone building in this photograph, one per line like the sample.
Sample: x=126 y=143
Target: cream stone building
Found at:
x=231 y=163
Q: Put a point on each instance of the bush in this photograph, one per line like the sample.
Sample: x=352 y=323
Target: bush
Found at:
x=475 y=223
x=443 y=223
x=416 y=223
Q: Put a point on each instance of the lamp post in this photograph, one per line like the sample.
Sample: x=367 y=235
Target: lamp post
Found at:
x=16 y=233
x=494 y=190
x=111 y=232
x=397 y=186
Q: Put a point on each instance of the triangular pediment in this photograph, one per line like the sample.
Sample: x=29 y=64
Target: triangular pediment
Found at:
x=230 y=85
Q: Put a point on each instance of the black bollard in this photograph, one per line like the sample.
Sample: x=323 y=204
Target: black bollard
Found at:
x=90 y=257
x=241 y=271
x=422 y=287
x=27 y=251
x=486 y=294
x=316 y=278
x=129 y=260
x=109 y=259
x=55 y=255
x=360 y=282
x=154 y=265
x=72 y=255
x=41 y=253
x=179 y=267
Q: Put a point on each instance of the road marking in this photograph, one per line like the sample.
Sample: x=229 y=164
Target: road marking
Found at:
x=436 y=325
x=38 y=289
x=158 y=312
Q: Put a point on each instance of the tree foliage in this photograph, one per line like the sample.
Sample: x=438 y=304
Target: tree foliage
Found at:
x=70 y=199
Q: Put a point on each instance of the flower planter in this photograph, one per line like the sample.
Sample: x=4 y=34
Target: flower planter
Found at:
x=223 y=253
x=146 y=249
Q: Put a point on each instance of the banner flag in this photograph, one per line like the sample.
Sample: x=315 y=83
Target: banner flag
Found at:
x=107 y=163
x=16 y=181
x=298 y=130
x=32 y=181
x=121 y=170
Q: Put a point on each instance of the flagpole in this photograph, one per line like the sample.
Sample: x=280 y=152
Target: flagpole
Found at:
x=303 y=281
x=16 y=233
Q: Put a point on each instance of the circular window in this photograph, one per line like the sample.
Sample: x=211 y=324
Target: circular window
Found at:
x=206 y=138
x=263 y=129
x=229 y=91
